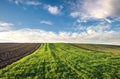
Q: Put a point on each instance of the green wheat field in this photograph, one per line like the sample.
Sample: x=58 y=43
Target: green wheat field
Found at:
x=66 y=61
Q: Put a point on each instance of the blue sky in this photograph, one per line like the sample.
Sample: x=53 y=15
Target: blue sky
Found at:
x=29 y=16
x=81 y=21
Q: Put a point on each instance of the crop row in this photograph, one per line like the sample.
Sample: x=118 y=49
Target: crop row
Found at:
x=82 y=62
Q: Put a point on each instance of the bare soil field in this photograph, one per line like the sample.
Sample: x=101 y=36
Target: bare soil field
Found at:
x=11 y=52
x=114 y=49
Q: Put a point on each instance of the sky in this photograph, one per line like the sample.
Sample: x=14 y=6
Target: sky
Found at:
x=69 y=21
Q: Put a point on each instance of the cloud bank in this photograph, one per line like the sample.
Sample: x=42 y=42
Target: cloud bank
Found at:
x=92 y=34
x=35 y=35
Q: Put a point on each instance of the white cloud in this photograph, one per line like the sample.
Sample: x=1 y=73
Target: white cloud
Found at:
x=26 y=2
x=75 y=14
x=53 y=9
x=91 y=35
x=46 y=22
x=109 y=21
x=96 y=9
x=33 y=3
x=98 y=28
x=5 y=26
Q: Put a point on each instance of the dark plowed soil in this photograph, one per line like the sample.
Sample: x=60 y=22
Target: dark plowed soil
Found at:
x=11 y=52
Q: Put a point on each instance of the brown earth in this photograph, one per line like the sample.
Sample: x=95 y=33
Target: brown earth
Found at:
x=11 y=52
x=113 y=49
